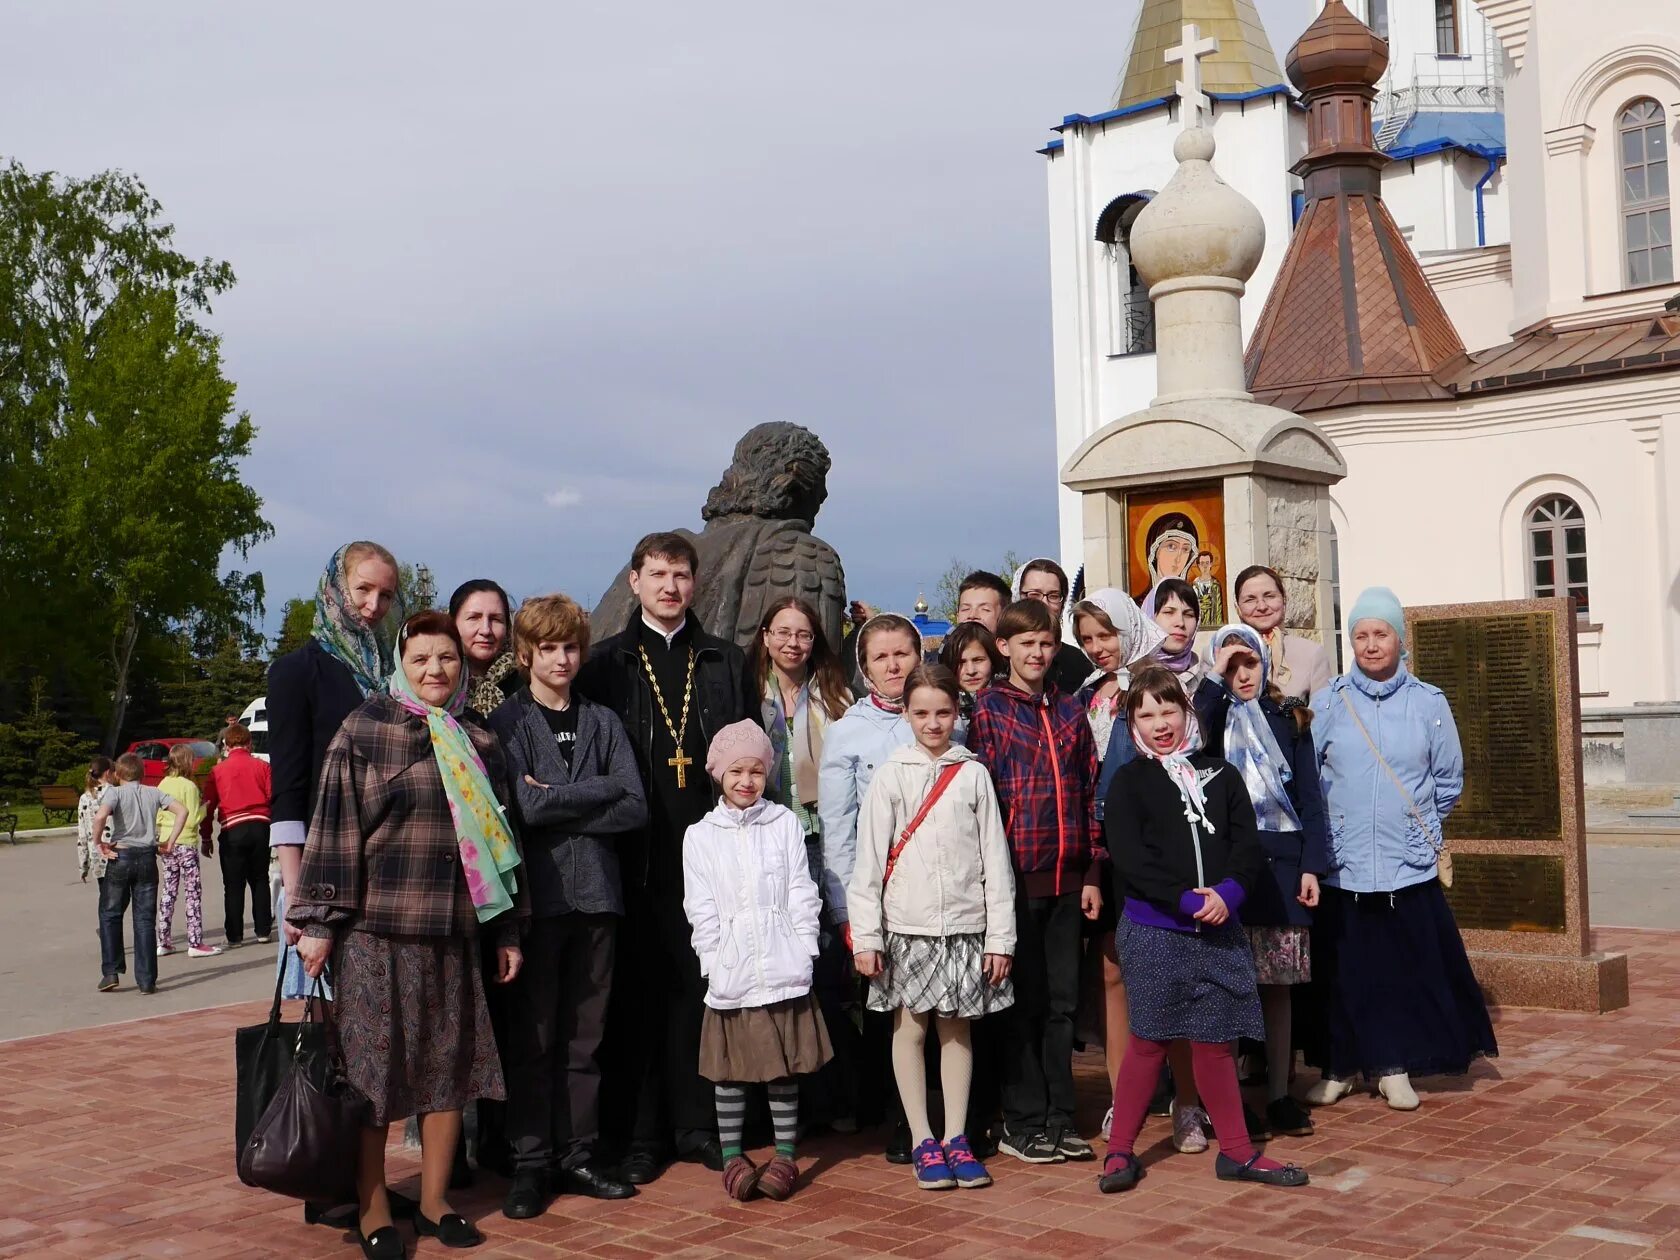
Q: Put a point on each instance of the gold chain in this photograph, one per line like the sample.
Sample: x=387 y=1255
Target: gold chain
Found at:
x=677 y=732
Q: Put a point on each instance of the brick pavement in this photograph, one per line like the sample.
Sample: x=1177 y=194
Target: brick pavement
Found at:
x=116 y=1142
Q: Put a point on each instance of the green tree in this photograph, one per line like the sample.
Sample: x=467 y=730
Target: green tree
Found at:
x=35 y=749
x=297 y=620
x=944 y=601
x=203 y=691
x=119 y=441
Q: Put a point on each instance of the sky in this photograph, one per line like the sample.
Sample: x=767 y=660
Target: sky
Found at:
x=514 y=277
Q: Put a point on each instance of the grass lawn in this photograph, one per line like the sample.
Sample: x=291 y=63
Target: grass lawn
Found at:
x=29 y=816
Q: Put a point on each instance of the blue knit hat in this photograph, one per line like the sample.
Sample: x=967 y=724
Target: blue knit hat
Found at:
x=1380 y=604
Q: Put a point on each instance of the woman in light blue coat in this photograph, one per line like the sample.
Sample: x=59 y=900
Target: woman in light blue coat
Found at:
x=1398 y=994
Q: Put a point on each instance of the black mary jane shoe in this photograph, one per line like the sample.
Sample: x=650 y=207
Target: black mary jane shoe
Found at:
x=454 y=1230
x=1120 y=1172
x=641 y=1168
x=1228 y=1169
x=586 y=1179
x=382 y=1244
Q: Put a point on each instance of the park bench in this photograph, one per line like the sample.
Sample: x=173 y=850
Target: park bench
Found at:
x=58 y=800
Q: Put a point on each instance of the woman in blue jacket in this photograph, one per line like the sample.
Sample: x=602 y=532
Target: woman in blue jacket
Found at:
x=1400 y=998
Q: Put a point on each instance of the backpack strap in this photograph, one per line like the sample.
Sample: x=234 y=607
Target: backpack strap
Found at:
x=946 y=775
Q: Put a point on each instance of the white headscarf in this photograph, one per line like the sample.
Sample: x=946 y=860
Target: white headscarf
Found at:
x=1139 y=636
x=1179 y=768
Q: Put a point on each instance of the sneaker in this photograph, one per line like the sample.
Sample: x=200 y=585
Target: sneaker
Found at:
x=1188 y=1137
x=203 y=951
x=779 y=1178
x=1108 y=1124
x=1288 y=1117
x=1031 y=1148
x=264 y=940
x=163 y=951
x=740 y=1178
x=107 y=983
x=932 y=1172
x=970 y=1173
x=1120 y=1172
x=148 y=989
x=1070 y=1146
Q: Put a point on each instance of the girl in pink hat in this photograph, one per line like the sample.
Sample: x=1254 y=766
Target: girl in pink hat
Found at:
x=749 y=895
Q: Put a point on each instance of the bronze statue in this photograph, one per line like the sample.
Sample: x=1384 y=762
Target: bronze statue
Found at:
x=757 y=544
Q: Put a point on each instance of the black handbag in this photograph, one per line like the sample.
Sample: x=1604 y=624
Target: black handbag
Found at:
x=306 y=1142
x=262 y=1055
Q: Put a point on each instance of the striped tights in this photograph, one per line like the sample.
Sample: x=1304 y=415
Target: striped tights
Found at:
x=731 y=1100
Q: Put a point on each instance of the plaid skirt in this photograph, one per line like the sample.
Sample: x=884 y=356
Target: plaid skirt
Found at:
x=938 y=973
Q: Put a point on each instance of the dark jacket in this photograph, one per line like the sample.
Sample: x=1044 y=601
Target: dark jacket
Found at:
x=1272 y=901
x=1070 y=669
x=309 y=696
x=1158 y=857
x=723 y=694
x=568 y=829
x=383 y=853
x=1043 y=761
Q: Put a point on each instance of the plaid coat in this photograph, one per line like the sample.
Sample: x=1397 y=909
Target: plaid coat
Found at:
x=1043 y=761
x=383 y=854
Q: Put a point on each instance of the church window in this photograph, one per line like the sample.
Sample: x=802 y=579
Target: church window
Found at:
x=1377 y=11
x=1131 y=315
x=1647 y=230
x=1446 y=28
x=1557 y=550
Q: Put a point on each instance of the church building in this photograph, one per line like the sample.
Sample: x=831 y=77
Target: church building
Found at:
x=1467 y=284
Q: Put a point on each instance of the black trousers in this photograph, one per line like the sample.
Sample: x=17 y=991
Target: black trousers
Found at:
x=244 y=857
x=1038 y=1031
x=555 y=1023
x=653 y=1094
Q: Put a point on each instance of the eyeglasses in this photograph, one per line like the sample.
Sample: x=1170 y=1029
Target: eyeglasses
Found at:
x=1045 y=597
x=802 y=637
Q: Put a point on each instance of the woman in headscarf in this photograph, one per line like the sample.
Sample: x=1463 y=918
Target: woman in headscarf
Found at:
x=483 y=617
x=1173 y=606
x=1299 y=667
x=1046 y=581
x=409 y=861
x=1273 y=752
x=1397 y=988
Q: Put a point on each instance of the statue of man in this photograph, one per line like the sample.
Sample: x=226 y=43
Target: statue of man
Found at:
x=757 y=544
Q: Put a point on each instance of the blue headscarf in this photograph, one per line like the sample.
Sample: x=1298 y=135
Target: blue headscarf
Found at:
x=1250 y=745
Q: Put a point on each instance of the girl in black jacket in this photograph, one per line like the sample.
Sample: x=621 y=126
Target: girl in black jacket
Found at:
x=1181 y=834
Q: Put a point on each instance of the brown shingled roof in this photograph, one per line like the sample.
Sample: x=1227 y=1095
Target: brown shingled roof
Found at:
x=1541 y=356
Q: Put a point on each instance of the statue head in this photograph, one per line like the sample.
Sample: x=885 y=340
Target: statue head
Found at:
x=780 y=472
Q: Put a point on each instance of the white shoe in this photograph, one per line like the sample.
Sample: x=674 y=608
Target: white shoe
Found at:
x=1108 y=1123
x=164 y=950
x=1397 y=1091
x=1327 y=1092
x=1188 y=1137
x=203 y=951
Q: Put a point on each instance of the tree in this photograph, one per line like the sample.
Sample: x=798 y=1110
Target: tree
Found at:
x=204 y=690
x=119 y=442
x=944 y=602
x=297 y=622
x=35 y=749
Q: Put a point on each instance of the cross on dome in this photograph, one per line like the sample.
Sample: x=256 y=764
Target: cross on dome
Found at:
x=1190 y=50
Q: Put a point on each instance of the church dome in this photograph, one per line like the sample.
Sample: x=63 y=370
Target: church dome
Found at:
x=1336 y=50
x=1198 y=225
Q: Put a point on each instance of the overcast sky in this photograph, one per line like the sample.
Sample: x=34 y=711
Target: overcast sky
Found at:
x=514 y=277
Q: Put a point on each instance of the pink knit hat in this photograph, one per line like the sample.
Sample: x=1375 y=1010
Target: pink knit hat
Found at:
x=742 y=739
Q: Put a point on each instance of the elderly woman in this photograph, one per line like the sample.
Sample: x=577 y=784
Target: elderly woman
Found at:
x=409 y=860
x=1299 y=668
x=1398 y=992
x=483 y=617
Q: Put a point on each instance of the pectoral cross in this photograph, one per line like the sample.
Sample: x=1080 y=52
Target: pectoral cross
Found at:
x=1189 y=51
x=682 y=763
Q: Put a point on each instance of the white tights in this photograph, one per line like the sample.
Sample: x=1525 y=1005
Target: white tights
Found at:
x=956 y=1069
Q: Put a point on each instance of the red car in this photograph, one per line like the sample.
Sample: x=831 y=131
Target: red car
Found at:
x=155 y=754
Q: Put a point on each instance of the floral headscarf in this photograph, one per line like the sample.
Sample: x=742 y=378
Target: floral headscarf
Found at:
x=366 y=651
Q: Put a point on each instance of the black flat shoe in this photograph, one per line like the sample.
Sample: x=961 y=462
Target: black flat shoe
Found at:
x=708 y=1152
x=382 y=1244
x=454 y=1230
x=641 y=1168
x=1120 y=1172
x=1259 y=1129
x=525 y=1199
x=589 y=1180
x=1289 y=1118
x=332 y=1215
x=403 y=1208
x=1228 y=1169
x=898 y=1146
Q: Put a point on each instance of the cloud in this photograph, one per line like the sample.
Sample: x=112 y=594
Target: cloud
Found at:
x=562 y=498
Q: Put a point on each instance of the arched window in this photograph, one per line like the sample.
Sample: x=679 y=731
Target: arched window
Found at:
x=1557 y=550
x=1647 y=236
x=1131 y=315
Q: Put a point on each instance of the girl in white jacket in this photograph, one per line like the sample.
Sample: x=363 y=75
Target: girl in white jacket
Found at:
x=749 y=895
x=933 y=915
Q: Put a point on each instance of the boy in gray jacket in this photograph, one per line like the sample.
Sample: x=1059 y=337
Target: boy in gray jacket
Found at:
x=576 y=790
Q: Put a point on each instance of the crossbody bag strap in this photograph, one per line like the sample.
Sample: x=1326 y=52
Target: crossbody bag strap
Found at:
x=1388 y=770
x=939 y=785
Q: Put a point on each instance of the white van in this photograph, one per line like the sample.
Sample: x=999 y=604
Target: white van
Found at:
x=255 y=720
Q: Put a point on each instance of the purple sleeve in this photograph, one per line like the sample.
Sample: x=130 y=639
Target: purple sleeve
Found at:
x=1190 y=902
x=1231 y=893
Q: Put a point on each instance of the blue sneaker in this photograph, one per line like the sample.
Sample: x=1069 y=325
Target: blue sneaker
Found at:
x=970 y=1173
x=932 y=1172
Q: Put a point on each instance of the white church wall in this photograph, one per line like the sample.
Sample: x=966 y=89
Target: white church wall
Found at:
x=1475 y=288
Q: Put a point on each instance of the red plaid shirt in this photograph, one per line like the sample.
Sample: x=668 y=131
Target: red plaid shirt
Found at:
x=1044 y=763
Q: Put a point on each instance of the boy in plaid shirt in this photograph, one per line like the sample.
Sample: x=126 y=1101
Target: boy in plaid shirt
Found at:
x=1037 y=744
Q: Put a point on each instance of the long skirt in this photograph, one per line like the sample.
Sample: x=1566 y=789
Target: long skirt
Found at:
x=1196 y=986
x=413 y=1023
x=1395 y=986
